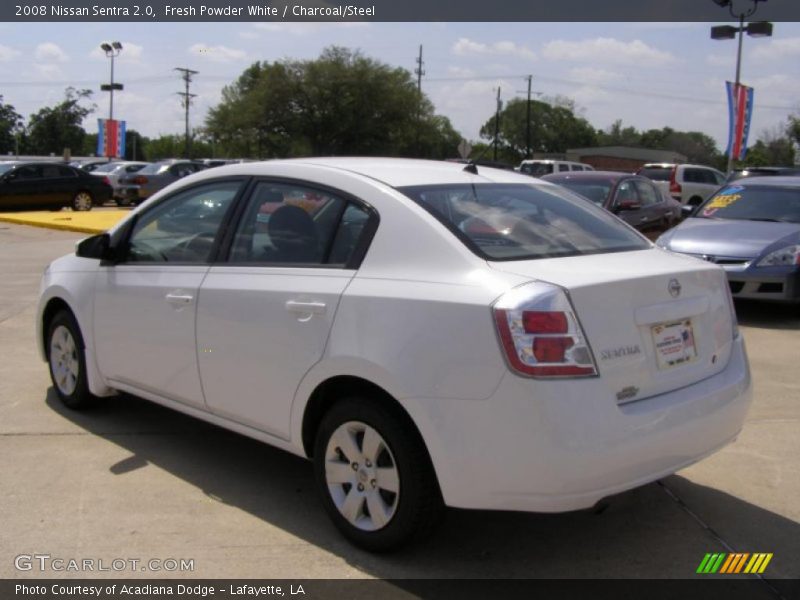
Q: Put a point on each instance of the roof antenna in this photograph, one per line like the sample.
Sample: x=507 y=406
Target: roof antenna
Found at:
x=472 y=166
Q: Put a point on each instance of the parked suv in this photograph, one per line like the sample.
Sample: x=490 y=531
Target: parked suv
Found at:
x=540 y=167
x=688 y=184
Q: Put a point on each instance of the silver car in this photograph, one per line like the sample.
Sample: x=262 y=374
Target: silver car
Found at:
x=752 y=229
x=113 y=171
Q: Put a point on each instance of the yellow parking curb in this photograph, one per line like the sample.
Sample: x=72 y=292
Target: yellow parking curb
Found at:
x=95 y=221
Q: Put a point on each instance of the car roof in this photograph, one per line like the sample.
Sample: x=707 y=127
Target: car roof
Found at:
x=771 y=181
x=395 y=172
x=588 y=175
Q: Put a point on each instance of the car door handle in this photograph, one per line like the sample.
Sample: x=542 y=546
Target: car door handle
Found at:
x=306 y=308
x=179 y=299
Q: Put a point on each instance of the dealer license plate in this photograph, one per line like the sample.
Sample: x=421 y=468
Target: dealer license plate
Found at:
x=674 y=342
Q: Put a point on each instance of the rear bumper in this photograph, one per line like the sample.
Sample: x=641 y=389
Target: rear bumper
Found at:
x=560 y=446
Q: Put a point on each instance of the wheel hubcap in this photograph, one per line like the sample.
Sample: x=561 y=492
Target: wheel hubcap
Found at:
x=83 y=201
x=64 y=360
x=362 y=476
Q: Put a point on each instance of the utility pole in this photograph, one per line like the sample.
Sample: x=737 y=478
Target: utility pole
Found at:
x=186 y=75
x=419 y=71
x=497 y=122
x=528 y=120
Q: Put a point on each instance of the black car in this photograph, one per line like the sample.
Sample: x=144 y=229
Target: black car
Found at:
x=633 y=198
x=34 y=185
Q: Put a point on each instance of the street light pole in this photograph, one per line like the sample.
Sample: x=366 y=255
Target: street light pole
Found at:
x=112 y=50
x=725 y=32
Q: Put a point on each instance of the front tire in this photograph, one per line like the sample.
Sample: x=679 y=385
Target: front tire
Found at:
x=374 y=475
x=82 y=201
x=67 y=361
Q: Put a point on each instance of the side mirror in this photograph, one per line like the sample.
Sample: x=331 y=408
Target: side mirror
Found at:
x=687 y=210
x=628 y=205
x=97 y=247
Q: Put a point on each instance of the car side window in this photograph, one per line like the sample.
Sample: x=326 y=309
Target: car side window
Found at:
x=182 y=228
x=29 y=172
x=66 y=172
x=626 y=192
x=647 y=194
x=287 y=224
x=563 y=167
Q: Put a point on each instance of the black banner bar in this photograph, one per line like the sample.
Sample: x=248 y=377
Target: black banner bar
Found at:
x=391 y=10
x=711 y=588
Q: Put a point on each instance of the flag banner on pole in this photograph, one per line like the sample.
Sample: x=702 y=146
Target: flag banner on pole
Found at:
x=110 y=138
x=740 y=113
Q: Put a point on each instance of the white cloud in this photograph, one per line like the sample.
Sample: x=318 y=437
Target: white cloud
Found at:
x=777 y=49
x=591 y=75
x=721 y=60
x=7 y=54
x=608 y=50
x=220 y=54
x=50 y=52
x=465 y=47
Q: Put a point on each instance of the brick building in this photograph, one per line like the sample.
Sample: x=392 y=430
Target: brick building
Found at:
x=622 y=158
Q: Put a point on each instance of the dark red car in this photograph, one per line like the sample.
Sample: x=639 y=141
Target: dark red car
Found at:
x=632 y=198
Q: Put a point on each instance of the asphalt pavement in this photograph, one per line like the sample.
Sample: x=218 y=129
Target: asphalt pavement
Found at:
x=134 y=481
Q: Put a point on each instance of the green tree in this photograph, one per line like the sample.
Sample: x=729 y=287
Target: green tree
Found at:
x=554 y=128
x=617 y=135
x=11 y=126
x=55 y=128
x=340 y=103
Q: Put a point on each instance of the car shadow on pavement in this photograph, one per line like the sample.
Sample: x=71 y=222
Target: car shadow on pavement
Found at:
x=644 y=533
x=766 y=315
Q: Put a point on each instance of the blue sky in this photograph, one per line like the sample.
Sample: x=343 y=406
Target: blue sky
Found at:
x=649 y=75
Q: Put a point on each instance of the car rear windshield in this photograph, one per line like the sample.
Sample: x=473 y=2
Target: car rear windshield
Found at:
x=656 y=173
x=596 y=190
x=6 y=167
x=753 y=203
x=536 y=169
x=522 y=222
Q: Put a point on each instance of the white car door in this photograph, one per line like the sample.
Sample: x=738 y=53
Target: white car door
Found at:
x=263 y=318
x=144 y=313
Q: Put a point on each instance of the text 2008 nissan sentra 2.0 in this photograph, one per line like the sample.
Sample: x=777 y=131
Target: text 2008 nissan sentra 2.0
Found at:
x=428 y=334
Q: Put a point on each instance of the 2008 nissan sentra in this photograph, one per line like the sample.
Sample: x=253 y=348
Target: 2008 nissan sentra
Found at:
x=428 y=334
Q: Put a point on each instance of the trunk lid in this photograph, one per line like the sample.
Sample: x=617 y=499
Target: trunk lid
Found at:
x=648 y=337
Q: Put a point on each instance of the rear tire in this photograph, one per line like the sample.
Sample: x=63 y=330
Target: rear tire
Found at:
x=374 y=475
x=66 y=357
x=82 y=201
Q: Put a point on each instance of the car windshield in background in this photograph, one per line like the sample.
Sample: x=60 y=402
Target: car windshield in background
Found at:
x=6 y=167
x=154 y=169
x=520 y=222
x=656 y=173
x=753 y=203
x=596 y=190
x=107 y=168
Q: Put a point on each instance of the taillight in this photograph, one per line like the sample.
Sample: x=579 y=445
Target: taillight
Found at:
x=674 y=186
x=139 y=180
x=106 y=180
x=540 y=333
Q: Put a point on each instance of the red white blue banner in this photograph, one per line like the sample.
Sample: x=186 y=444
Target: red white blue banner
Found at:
x=110 y=138
x=740 y=113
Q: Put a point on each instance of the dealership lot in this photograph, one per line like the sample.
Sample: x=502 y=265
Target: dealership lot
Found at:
x=134 y=481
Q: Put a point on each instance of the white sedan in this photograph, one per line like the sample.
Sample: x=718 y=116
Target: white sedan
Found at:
x=427 y=333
